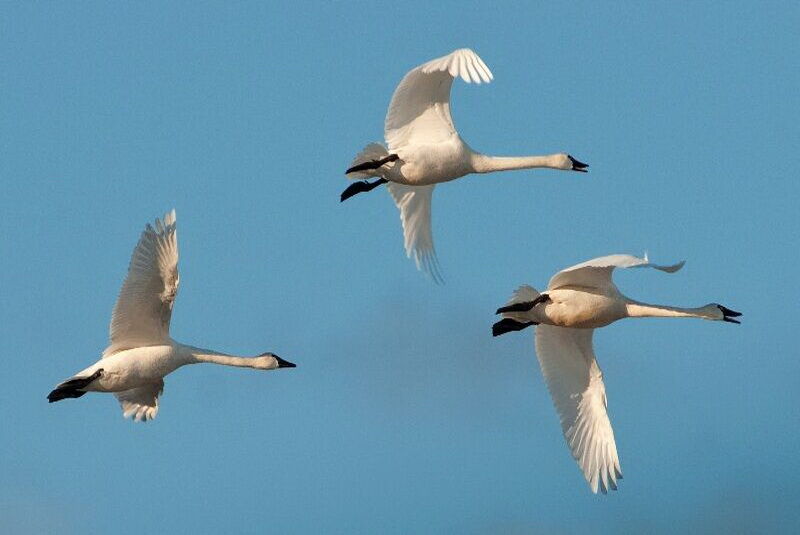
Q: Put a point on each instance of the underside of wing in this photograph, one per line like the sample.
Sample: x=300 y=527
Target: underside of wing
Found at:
x=576 y=385
x=596 y=273
x=141 y=403
x=143 y=310
x=414 y=203
x=419 y=112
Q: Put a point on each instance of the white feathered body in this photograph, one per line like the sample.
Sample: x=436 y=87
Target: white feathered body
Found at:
x=581 y=308
x=574 y=307
x=136 y=367
x=424 y=165
x=419 y=164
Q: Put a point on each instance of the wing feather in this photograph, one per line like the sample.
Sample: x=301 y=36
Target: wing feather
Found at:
x=419 y=112
x=143 y=309
x=414 y=203
x=141 y=403
x=576 y=385
x=596 y=273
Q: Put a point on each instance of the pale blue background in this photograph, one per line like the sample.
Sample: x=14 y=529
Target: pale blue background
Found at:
x=404 y=415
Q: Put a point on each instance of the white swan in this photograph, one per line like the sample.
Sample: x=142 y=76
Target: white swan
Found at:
x=424 y=149
x=577 y=301
x=141 y=352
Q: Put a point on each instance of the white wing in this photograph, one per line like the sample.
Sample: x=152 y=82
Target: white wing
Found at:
x=141 y=403
x=144 y=307
x=576 y=386
x=414 y=203
x=420 y=109
x=596 y=273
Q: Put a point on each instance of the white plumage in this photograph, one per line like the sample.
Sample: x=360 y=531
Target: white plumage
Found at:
x=578 y=300
x=143 y=309
x=420 y=133
x=141 y=351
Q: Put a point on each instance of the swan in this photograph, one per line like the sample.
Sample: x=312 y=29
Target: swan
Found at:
x=141 y=352
x=578 y=300
x=425 y=149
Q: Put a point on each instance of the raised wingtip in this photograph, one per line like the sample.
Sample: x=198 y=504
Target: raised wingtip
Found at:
x=166 y=220
x=461 y=63
x=672 y=268
x=675 y=267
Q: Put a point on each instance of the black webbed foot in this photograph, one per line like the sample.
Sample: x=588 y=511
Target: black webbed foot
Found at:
x=372 y=164
x=361 y=187
x=508 y=325
x=72 y=388
x=525 y=306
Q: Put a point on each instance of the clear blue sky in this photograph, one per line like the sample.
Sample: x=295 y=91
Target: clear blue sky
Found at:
x=404 y=415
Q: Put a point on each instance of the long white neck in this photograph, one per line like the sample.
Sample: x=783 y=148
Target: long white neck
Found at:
x=199 y=354
x=482 y=163
x=636 y=309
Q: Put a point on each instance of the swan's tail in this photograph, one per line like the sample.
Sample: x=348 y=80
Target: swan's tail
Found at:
x=523 y=294
x=516 y=320
x=373 y=152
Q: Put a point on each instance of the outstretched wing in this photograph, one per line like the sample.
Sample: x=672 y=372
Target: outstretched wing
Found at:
x=576 y=385
x=141 y=403
x=596 y=273
x=420 y=109
x=144 y=307
x=414 y=203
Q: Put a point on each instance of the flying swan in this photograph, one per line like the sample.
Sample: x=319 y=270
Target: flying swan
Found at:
x=577 y=301
x=141 y=352
x=425 y=149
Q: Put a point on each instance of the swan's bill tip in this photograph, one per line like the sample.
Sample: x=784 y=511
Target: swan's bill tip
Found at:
x=578 y=165
x=284 y=363
x=728 y=314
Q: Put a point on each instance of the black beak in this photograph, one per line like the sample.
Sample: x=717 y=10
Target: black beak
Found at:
x=578 y=165
x=284 y=363
x=729 y=314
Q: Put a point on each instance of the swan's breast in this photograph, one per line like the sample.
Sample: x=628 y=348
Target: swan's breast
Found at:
x=135 y=367
x=422 y=165
x=582 y=309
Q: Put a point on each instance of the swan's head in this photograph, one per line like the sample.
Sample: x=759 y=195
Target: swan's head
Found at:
x=715 y=311
x=271 y=361
x=568 y=163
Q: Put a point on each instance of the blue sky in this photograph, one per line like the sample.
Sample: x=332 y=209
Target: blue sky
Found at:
x=404 y=415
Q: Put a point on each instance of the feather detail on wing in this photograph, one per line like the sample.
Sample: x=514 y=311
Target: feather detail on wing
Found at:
x=576 y=385
x=143 y=310
x=596 y=273
x=414 y=203
x=141 y=403
x=419 y=112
